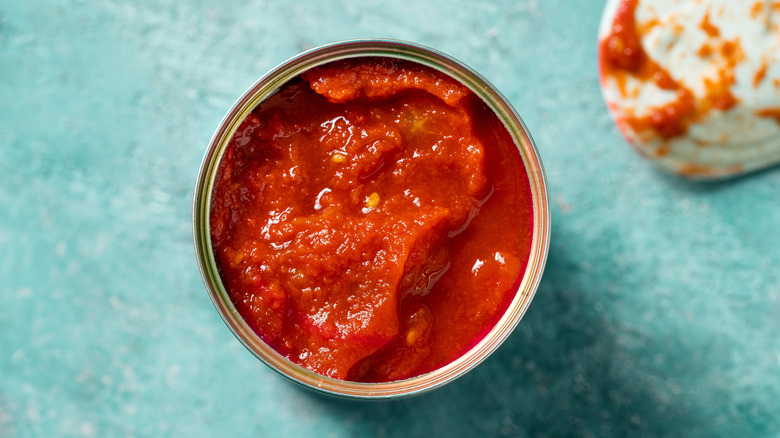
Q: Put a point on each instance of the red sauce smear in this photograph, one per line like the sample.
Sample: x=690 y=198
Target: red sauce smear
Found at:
x=697 y=170
x=622 y=56
x=371 y=220
x=757 y=8
x=769 y=112
x=719 y=94
x=707 y=27
x=760 y=75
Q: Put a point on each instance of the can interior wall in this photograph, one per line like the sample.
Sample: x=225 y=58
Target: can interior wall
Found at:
x=264 y=88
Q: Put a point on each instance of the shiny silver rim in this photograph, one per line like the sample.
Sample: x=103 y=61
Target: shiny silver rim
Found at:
x=266 y=86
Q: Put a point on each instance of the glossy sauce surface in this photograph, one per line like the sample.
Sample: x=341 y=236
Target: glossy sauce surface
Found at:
x=371 y=220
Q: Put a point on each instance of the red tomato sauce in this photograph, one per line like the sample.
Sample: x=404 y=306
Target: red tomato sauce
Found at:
x=371 y=220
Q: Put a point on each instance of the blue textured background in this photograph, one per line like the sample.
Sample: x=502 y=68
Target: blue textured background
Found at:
x=658 y=314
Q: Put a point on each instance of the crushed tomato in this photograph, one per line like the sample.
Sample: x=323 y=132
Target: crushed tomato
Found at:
x=371 y=220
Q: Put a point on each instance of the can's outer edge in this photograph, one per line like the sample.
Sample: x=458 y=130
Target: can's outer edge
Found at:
x=266 y=86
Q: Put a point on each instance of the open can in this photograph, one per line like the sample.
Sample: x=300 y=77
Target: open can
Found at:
x=269 y=84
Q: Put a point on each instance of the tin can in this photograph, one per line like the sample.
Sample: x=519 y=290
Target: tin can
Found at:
x=264 y=88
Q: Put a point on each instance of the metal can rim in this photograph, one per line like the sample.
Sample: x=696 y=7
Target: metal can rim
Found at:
x=266 y=86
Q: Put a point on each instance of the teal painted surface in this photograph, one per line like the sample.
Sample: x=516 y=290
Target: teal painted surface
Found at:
x=658 y=314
